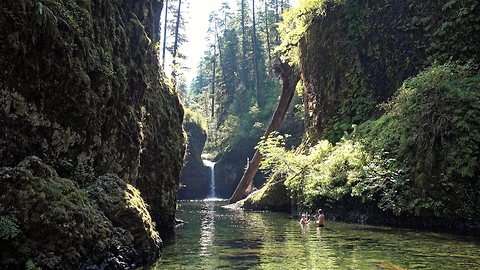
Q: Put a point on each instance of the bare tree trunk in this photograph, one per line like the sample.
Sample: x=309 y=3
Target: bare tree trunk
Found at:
x=243 y=71
x=277 y=20
x=276 y=12
x=255 y=58
x=268 y=39
x=214 y=70
x=177 y=27
x=175 y=44
x=289 y=79
x=244 y=49
x=222 y=67
x=165 y=34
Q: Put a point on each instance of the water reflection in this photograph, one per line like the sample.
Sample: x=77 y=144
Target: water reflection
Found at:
x=319 y=232
x=218 y=238
x=207 y=231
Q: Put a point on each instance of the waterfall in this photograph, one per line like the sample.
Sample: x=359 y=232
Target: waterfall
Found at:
x=211 y=164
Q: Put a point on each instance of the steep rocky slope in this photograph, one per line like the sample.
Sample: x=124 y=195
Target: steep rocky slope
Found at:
x=81 y=90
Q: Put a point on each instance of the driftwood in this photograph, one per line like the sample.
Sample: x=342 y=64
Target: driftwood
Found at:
x=289 y=80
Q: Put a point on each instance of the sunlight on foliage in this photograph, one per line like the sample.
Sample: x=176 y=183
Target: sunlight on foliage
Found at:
x=421 y=156
x=194 y=117
x=294 y=25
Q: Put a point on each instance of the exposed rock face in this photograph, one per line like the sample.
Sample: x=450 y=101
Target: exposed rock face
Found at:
x=195 y=176
x=230 y=168
x=61 y=226
x=81 y=89
x=358 y=54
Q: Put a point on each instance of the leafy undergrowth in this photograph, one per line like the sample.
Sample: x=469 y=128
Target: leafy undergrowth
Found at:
x=420 y=157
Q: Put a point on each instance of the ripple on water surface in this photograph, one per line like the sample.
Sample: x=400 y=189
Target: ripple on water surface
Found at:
x=215 y=237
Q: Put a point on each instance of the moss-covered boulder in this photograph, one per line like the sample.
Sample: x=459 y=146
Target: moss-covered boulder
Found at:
x=56 y=225
x=123 y=205
x=272 y=196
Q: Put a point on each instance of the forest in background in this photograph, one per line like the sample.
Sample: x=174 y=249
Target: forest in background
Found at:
x=400 y=128
x=235 y=90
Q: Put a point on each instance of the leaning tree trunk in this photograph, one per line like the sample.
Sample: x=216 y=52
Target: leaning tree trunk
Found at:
x=289 y=80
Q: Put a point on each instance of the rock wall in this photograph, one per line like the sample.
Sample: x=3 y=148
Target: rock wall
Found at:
x=356 y=54
x=231 y=166
x=81 y=89
x=195 y=177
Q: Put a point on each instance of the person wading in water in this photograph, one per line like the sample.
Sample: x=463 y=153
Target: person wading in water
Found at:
x=320 y=218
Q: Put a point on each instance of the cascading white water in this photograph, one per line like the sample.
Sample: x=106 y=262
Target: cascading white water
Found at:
x=211 y=164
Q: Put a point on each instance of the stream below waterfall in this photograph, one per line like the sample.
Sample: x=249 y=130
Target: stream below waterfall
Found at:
x=215 y=237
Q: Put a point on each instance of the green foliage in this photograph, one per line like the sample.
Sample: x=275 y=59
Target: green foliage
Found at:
x=356 y=108
x=422 y=156
x=323 y=171
x=194 y=117
x=293 y=26
x=8 y=227
x=432 y=126
x=241 y=109
x=29 y=265
x=438 y=112
x=446 y=41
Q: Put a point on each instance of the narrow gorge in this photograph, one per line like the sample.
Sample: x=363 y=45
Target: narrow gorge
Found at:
x=239 y=134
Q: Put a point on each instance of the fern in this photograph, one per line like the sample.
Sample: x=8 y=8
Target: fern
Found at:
x=8 y=227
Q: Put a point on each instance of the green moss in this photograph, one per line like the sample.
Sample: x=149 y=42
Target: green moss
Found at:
x=431 y=126
x=29 y=265
x=272 y=196
x=54 y=224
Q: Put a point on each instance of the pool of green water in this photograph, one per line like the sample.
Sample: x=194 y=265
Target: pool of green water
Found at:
x=215 y=237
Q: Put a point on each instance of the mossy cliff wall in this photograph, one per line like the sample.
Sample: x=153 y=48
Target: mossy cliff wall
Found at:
x=81 y=89
x=356 y=54
x=195 y=176
x=416 y=158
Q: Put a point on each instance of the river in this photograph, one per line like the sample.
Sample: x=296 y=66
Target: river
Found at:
x=215 y=237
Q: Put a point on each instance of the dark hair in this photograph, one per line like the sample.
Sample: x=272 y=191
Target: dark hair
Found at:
x=320 y=211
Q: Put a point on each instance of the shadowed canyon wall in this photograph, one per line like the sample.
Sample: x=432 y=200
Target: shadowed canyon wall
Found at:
x=82 y=96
